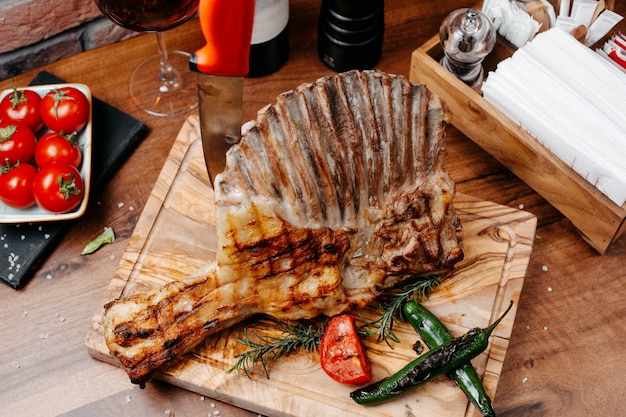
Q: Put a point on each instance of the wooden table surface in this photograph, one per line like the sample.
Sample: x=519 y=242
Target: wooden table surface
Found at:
x=566 y=355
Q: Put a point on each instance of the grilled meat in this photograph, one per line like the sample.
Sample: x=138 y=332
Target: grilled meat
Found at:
x=335 y=192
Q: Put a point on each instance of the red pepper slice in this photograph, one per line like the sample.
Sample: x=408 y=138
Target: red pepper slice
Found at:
x=342 y=355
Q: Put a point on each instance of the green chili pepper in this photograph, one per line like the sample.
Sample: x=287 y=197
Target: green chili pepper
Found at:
x=434 y=334
x=446 y=358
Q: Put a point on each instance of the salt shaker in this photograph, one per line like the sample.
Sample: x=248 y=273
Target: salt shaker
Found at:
x=467 y=37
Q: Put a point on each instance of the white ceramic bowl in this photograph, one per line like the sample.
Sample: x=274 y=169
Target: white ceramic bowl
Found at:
x=35 y=213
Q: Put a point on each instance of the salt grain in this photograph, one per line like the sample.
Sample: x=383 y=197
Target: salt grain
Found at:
x=524 y=380
x=549 y=289
x=521 y=207
x=22 y=237
x=49 y=276
x=544 y=268
x=44 y=335
x=46 y=236
x=545 y=328
x=26 y=312
x=120 y=205
x=111 y=257
x=14 y=266
x=202 y=398
x=128 y=399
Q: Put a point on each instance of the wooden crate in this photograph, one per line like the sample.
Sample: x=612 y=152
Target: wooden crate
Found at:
x=599 y=220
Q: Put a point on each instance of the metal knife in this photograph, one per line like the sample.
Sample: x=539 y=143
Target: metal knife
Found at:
x=221 y=65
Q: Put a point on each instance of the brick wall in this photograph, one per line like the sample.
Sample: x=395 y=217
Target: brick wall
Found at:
x=37 y=32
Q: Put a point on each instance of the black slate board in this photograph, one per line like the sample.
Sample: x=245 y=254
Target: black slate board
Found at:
x=23 y=247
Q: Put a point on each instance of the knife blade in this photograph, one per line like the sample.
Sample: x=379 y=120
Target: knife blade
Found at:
x=221 y=65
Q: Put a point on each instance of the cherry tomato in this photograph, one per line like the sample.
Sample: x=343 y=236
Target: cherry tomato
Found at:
x=16 y=185
x=58 y=188
x=58 y=147
x=17 y=142
x=22 y=106
x=65 y=109
x=342 y=354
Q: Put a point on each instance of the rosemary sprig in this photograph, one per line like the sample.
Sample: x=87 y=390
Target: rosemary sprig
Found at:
x=308 y=334
x=391 y=307
x=303 y=335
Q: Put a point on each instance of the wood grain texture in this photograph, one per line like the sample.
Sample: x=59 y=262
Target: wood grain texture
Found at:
x=176 y=235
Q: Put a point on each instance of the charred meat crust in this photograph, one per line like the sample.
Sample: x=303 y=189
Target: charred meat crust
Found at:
x=334 y=193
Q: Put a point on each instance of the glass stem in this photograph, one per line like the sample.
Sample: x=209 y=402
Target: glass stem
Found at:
x=167 y=74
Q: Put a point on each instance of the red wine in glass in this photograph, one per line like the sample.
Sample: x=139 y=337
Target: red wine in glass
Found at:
x=148 y=15
x=162 y=85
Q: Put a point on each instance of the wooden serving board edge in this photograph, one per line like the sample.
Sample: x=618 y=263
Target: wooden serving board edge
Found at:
x=508 y=235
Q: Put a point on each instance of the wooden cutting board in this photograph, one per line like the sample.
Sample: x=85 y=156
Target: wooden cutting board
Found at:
x=176 y=235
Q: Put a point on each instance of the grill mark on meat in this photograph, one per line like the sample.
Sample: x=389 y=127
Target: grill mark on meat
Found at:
x=319 y=154
x=379 y=90
x=317 y=101
x=250 y=181
x=329 y=155
x=339 y=116
x=361 y=112
x=438 y=117
x=295 y=169
x=401 y=127
x=291 y=249
x=300 y=144
x=418 y=127
x=275 y=178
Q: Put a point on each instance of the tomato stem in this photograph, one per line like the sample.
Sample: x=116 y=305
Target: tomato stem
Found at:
x=68 y=186
x=7 y=132
x=17 y=98
x=57 y=96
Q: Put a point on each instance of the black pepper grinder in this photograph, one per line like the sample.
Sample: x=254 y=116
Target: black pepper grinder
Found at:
x=350 y=33
x=269 y=47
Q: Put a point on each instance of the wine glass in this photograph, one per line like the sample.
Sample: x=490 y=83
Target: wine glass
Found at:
x=162 y=84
